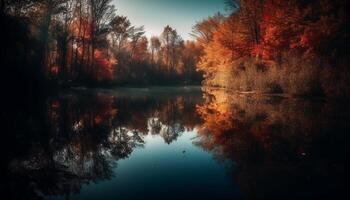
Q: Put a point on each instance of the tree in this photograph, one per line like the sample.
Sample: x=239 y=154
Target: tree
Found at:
x=191 y=53
x=280 y=28
x=204 y=30
x=121 y=31
x=155 y=46
x=48 y=8
x=102 y=12
x=166 y=37
x=141 y=50
x=136 y=34
x=170 y=42
x=63 y=35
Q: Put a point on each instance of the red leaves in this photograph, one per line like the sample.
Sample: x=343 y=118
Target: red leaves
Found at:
x=98 y=119
x=54 y=70
x=292 y=25
x=105 y=66
x=268 y=29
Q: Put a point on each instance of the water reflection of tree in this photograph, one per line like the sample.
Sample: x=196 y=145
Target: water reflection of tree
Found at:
x=281 y=147
x=84 y=136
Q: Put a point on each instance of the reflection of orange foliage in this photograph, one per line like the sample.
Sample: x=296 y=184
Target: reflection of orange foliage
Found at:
x=106 y=110
x=55 y=104
x=228 y=129
x=98 y=113
x=240 y=126
x=215 y=121
x=54 y=70
x=98 y=119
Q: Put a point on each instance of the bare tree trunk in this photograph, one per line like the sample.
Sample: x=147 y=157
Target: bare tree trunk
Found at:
x=63 y=50
x=45 y=38
x=92 y=35
x=72 y=58
x=77 y=43
x=83 y=50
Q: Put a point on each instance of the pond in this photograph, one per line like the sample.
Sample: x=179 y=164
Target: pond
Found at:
x=175 y=143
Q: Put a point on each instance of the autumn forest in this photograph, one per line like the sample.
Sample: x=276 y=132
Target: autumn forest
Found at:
x=164 y=99
x=294 y=47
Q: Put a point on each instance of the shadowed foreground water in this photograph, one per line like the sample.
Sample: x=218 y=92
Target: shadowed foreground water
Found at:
x=175 y=143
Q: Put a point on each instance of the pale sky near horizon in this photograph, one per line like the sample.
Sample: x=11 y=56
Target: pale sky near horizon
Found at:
x=179 y=14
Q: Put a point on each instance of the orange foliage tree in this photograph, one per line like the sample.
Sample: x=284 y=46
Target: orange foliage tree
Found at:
x=275 y=36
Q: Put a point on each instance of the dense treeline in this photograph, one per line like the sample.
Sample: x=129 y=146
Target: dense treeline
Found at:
x=85 y=42
x=297 y=47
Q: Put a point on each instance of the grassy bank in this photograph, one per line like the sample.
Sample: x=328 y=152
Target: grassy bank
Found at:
x=294 y=76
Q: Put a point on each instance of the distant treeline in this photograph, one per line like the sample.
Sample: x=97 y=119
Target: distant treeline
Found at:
x=84 y=42
x=299 y=47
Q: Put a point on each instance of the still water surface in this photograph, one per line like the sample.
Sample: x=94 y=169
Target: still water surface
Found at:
x=178 y=143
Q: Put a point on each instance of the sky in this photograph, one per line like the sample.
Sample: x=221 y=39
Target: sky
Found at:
x=179 y=14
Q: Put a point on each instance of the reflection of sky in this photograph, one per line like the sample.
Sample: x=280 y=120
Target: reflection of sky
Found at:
x=180 y=14
x=165 y=171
